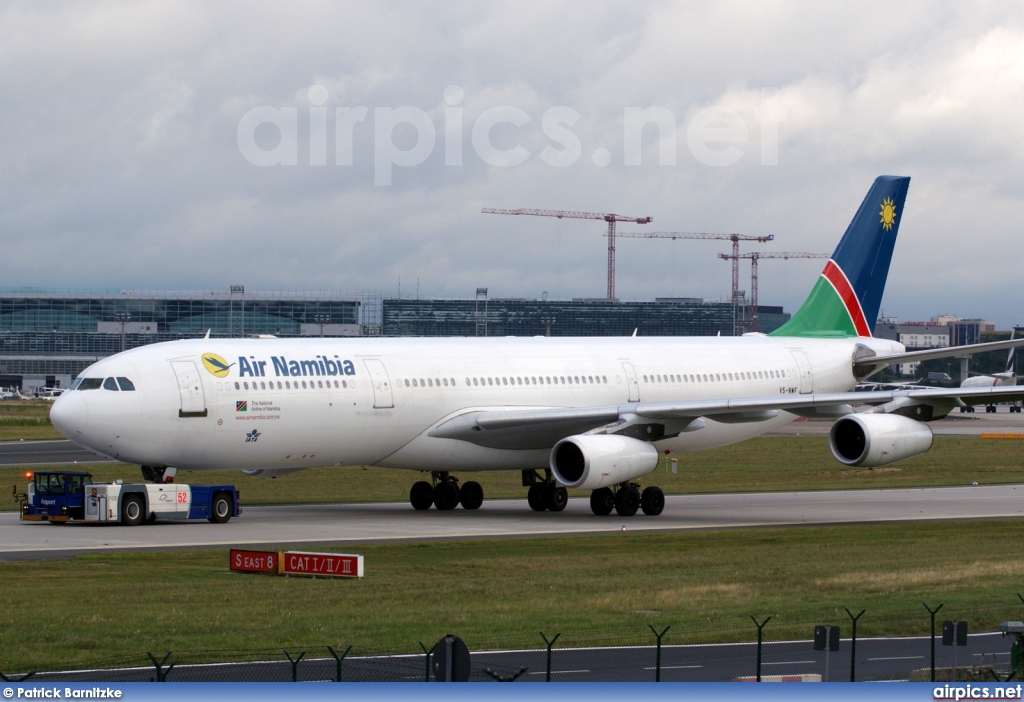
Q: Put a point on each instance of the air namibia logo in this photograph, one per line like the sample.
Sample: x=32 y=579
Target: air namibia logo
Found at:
x=216 y=365
x=888 y=213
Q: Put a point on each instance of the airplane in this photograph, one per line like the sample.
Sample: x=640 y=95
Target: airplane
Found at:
x=594 y=414
x=991 y=380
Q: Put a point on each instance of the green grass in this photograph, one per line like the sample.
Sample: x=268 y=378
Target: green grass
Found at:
x=26 y=419
x=594 y=590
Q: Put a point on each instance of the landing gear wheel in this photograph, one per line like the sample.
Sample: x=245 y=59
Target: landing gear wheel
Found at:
x=471 y=495
x=222 y=508
x=556 y=497
x=446 y=496
x=602 y=502
x=652 y=501
x=535 y=497
x=422 y=495
x=132 y=510
x=627 y=501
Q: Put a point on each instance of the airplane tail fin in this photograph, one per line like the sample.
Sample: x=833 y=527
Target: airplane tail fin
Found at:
x=847 y=296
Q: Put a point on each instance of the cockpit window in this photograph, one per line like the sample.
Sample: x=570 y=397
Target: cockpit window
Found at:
x=125 y=384
x=75 y=383
x=90 y=384
x=110 y=384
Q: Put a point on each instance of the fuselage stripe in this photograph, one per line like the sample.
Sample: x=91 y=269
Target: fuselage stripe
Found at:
x=835 y=276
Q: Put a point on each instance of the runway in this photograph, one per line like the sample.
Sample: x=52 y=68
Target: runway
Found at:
x=46 y=453
x=340 y=524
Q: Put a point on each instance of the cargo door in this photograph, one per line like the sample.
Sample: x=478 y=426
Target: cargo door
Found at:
x=190 y=386
x=381 y=384
x=804 y=370
x=631 y=383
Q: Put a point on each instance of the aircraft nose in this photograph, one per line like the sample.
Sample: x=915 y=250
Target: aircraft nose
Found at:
x=70 y=414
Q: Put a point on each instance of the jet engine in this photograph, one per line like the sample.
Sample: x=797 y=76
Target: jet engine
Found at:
x=871 y=440
x=591 y=461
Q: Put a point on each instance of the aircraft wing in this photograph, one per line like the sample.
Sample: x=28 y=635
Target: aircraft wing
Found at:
x=542 y=428
x=943 y=352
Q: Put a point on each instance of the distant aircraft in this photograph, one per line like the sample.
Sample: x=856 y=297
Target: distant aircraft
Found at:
x=583 y=413
x=992 y=380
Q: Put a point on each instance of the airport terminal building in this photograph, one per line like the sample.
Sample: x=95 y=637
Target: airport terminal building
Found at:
x=50 y=336
x=579 y=317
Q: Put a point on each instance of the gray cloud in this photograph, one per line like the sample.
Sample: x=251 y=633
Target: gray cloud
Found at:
x=120 y=166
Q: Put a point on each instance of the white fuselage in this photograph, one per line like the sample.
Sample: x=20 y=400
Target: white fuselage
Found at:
x=995 y=380
x=296 y=403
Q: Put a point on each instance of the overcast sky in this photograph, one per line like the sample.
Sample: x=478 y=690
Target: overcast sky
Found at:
x=190 y=146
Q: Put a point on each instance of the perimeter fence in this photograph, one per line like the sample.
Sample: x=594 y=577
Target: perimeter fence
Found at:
x=866 y=645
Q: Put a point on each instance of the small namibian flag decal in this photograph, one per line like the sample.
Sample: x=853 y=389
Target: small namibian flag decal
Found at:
x=241 y=405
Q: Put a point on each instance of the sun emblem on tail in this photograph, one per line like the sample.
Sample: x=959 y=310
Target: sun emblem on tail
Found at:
x=888 y=213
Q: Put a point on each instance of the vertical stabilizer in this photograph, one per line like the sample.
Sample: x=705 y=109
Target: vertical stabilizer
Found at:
x=848 y=294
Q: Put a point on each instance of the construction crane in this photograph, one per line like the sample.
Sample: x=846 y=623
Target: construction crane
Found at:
x=734 y=238
x=610 y=218
x=754 y=257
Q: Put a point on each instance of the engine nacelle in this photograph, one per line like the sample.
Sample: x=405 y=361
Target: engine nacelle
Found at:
x=871 y=440
x=592 y=461
x=270 y=472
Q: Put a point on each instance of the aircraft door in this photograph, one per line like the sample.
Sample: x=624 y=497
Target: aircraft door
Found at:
x=631 y=383
x=804 y=368
x=381 y=383
x=190 y=385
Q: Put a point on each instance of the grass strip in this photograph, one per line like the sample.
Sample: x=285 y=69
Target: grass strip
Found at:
x=499 y=593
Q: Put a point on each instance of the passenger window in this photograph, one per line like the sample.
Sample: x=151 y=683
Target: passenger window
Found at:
x=125 y=384
x=91 y=384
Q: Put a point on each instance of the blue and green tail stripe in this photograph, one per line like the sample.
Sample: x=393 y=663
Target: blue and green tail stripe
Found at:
x=846 y=298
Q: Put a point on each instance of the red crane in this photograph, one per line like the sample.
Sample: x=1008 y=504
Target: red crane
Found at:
x=734 y=238
x=610 y=218
x=754 y=257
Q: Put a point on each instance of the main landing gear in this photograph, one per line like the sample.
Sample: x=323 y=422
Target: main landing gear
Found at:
x=444 y=493
x=626 y=499
x=544 y=492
